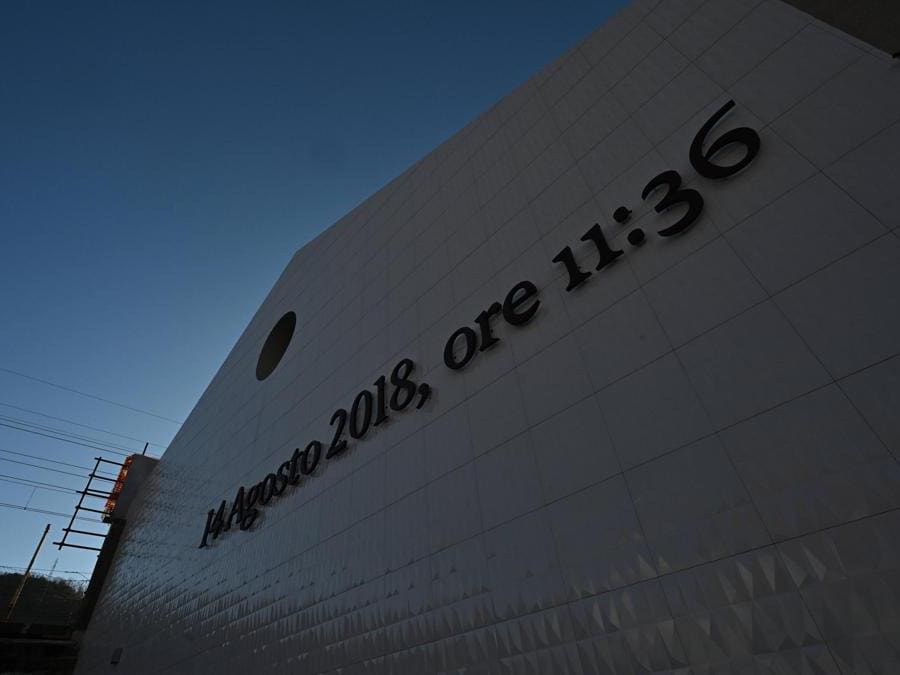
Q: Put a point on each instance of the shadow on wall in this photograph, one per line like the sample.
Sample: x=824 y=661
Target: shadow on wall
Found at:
x=874 y=21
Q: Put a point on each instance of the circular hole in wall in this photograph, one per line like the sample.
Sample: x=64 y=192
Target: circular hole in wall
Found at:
x=276 y=345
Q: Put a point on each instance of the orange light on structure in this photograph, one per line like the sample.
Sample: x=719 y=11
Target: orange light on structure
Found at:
x=117 y=488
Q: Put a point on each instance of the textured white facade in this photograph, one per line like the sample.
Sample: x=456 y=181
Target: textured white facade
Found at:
x=689 y=463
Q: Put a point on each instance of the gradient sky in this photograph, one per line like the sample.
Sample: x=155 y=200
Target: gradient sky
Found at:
x=161 y=162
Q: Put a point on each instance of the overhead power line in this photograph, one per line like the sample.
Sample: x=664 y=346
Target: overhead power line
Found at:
x=66 y=440
x=45 y=459
x=87 y=395
x=19 y=507
x=80 y=424
x=45 y=468
x=44 y=570
x=27 y=482
x=63 y=432
x=41 y=485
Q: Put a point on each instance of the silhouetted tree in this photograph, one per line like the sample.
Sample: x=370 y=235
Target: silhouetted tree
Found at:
x=43 y=600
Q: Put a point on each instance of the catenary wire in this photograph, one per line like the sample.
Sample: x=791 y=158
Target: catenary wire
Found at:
x=51 y=461
x=42 y=570
x=36 y=483
x=41 y=485
x=19 y=507
x=87 y=395
x=67 y=440
x=63 y=432
x=45 y=468
x=81 y=424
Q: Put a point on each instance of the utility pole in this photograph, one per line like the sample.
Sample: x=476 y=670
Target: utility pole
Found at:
x=15 y=597
x=44 y=591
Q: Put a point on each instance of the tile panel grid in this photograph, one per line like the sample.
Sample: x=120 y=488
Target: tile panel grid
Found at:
x=389 y=186
x=778 y=612
x=451 y=233
x=324 y=302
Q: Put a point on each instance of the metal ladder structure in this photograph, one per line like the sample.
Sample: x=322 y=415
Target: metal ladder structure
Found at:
x=88 y=492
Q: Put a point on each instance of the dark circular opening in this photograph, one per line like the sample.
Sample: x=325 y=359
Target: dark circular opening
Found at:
x=276 y=345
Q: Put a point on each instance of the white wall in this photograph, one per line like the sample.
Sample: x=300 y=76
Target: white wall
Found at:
x=690 y=460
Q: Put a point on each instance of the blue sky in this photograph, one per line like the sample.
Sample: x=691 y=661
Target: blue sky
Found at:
x=161 y=161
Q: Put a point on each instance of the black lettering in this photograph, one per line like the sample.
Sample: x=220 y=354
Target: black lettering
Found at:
x=607 y=255
x=295 y=476
x=250 y=512
x=219 y=520
x=471 y=342
x=307 y=466
x=483 y=320
x=267 y=489
x=237 y=509
x=338 y=443
x=281 y=479
x=577 y=276
x=380 y=401
x=404 y=388
x=206 y=530
x=525 y=291
x=358 y=428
